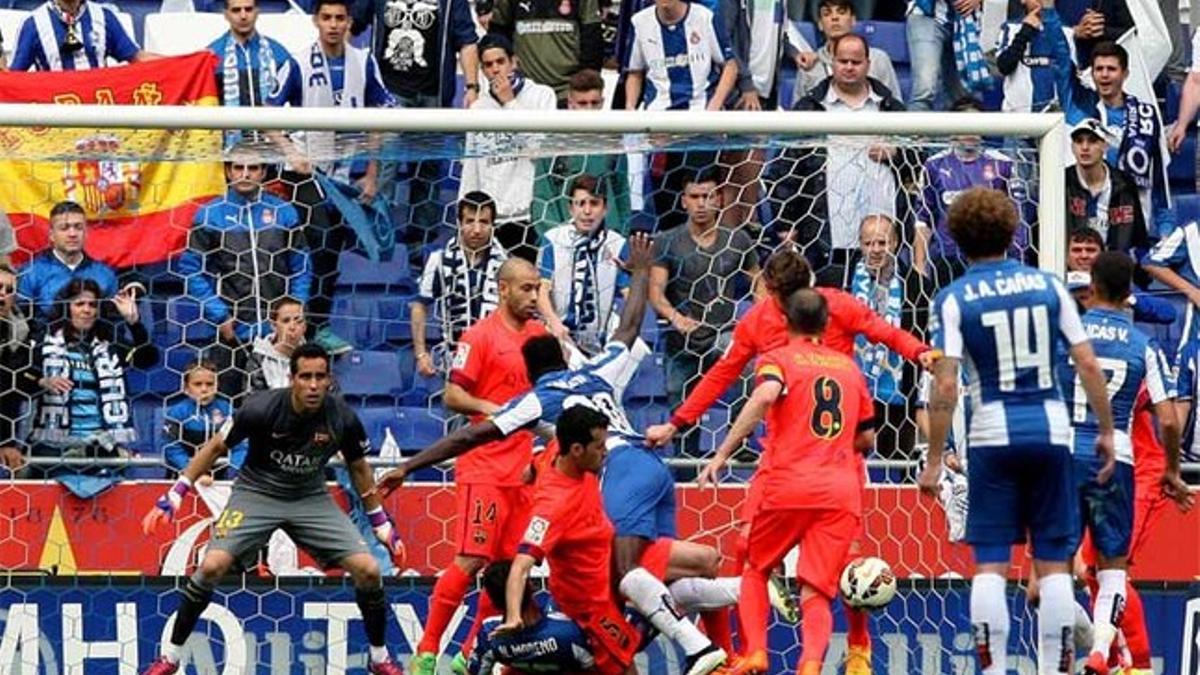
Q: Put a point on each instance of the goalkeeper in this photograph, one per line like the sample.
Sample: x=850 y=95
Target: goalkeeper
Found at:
x=292 y=434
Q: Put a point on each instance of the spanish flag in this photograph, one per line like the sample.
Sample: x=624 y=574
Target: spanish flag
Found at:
x=139 y=187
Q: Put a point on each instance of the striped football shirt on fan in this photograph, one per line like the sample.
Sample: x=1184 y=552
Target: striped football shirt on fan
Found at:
x=678 y=58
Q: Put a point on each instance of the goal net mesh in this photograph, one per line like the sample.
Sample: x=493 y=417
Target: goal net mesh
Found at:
x=169 y=212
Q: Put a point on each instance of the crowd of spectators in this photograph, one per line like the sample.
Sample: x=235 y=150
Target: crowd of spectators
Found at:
x=261 y=264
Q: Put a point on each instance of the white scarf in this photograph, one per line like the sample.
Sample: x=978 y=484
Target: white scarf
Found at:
x=317 y=80
x=1099 y=221
x=94 y=40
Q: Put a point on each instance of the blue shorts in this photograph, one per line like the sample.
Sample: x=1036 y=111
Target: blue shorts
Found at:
x=1021 y=491
x=1106 y=510
x=639 y=493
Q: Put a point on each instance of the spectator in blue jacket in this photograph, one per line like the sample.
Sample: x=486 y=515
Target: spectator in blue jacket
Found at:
x=246 y=249
x=193 y=419
x=40 y=280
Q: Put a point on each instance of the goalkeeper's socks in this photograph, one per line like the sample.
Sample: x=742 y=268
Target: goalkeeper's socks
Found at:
x=650 y=597
x=483 y=609
x=1056 y=621
x=989 y=620
x=1133 y=626
x=372 y=603
x=448 y=594
x=816 y=625
x=694 y=593
x=753 y=605
x=858 y=633
x=1110 y=606
x=196 y=594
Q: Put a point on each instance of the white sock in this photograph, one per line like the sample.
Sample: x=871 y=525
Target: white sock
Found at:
x=1056 y=621
x=171 y=651
x=1110 y=605
x=695 y=594
x=650 y=597
x=1084 y=632
x=377 y=654
x=989 y=619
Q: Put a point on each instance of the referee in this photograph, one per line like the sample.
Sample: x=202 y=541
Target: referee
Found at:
x=293 y=433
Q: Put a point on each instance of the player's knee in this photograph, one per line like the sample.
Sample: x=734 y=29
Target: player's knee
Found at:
x=470 y=564
x=366 y=573
x=214 y=566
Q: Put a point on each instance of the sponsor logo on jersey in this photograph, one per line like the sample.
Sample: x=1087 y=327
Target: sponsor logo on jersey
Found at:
x=460 y=356
x=536 y=532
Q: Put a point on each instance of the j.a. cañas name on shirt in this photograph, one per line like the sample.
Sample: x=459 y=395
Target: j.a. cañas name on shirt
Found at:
x=1012 y=285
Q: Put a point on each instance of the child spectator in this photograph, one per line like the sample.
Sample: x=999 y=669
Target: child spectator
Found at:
x=268 y=365
x=192 y=420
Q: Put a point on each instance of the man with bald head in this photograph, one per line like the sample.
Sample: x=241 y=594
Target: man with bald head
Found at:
x=493 y=508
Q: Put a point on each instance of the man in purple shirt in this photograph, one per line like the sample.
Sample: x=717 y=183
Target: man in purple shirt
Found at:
x=965 y=164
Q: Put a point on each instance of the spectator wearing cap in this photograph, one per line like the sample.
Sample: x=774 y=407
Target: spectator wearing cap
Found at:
x=252 y=69
x=47 y=272
x=459 y=282
x=556 y=175
x=553 y=38
x=508 y=179
x=580 y=266
x=1137 y=145
x=1099 y=196
x=965 y=164
x=836 y=18
x=74 y=35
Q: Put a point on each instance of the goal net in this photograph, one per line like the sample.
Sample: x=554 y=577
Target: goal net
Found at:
x=174 y=205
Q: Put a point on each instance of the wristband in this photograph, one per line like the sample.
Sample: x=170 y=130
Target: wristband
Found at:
x=181 y=487
x=377 y=516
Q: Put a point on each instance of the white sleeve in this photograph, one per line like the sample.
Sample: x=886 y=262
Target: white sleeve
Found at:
x=617 y=364
x=949 y=318
x=1158 y=384
x=1196 y=51
x=518 y=414
x=1068 y=318
x=425 y=286
x=637 y=60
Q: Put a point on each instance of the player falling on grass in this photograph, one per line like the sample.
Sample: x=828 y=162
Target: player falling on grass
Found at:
x=292 y=434
x=763 y=328
x=820 y=417
x=492 y=497
x=1004 y=322
x=1131 y=362
x=639 y=492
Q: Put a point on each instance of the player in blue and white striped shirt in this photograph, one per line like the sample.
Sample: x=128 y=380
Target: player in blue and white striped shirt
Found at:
x=1129 y=360
x=1004 y=322
x=1175 y=262
x=676 y=45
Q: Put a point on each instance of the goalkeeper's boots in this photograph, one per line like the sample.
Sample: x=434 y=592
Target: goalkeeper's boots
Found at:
x=459 y=665
x=161 y=667
x=1096 y=664
x=705 y=661
x=858 y=661
x=750 y=664
x=782 y=599
x=388 y=667
x=424 y=663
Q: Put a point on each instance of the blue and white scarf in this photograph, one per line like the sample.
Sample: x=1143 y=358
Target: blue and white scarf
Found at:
x=52 y=423
x=231 y=77
x=517 y=79
x=882 y=367
x=968 y=54
x=1140 y=154
x=468 y=292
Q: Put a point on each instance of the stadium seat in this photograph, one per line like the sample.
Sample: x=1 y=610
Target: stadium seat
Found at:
x=148 y=421
x=175 y=33
x=294 y=31
x=365 y=375
x=1182 y=170
x=649 y=383
x=359 y=272
x=184 y=323
x=354 y=318
x=10 y=26
x=1187 y=207
x=889 y=36
x=413 y=428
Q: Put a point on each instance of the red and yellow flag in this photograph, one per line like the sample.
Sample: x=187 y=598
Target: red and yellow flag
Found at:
x=140 y=187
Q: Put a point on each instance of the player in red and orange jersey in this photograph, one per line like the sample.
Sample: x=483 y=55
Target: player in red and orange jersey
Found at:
x=820 y=418
x=569 y=529
x=764 y=328
x=493 y=502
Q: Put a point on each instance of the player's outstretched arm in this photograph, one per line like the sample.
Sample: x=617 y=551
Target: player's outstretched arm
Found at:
x=201 y=464
x=747 y=421
x=638 y=265
x=514 y=591
x=1096 y=387
x=943 y=397
x=448 y=447
x=1170 y=430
